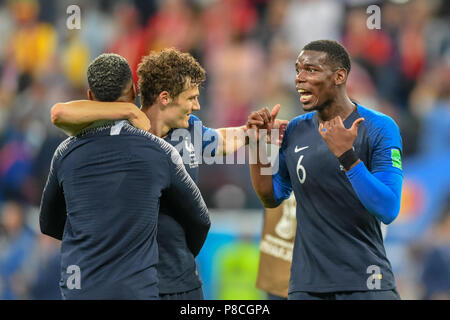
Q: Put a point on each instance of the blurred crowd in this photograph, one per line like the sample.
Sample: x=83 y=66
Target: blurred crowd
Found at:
x=248 y=48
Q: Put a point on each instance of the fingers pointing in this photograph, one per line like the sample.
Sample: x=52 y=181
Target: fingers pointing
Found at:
x=275 y=111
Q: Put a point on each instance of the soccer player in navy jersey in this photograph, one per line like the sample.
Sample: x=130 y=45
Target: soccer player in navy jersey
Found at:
x=343 y=162
x=169 y=88
x=102 y=199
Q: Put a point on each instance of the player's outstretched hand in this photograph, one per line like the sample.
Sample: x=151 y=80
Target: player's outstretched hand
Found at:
x=265 y=119
x=259 y=118
x=339 y=139
x=256 y=121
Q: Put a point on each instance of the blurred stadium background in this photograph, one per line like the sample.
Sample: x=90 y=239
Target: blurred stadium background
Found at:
x=248 y=48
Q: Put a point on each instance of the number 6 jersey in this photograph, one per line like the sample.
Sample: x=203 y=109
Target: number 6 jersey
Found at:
x=338 y=244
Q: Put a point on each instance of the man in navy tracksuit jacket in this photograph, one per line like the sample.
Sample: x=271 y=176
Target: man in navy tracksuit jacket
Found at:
x=102 y=199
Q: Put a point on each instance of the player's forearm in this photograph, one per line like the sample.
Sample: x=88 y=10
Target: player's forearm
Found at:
x=196 y=237
x=261 y=173
x=263 y=186
x=52 y=214
x=380 y=193
x=191 y=209
x=51 y=224
x=231 y=139
x=75 y=115
x=196 y=220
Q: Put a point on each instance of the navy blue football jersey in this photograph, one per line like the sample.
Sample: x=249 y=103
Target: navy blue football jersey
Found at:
x=338 y=244
x=102 y=199
x=177 y=268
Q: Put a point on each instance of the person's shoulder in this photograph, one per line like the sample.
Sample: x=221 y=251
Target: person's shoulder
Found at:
x=195 y=122
x=382 y=129
x=302 y=117
x=375 y=117
x=377 y=121
x=299 y=120
x=193 y=119
x=64 y=146
x=152 y=139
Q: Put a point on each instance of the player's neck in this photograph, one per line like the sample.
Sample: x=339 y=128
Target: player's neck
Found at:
x=158 y=126
x=342 y=107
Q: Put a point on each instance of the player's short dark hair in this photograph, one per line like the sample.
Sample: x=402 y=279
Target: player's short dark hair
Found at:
x=108 y=75
x=337 y=55
x=167 y=70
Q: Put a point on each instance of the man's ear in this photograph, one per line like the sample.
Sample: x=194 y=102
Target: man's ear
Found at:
x=90 y=95
x=164 y=98
x=340 y=77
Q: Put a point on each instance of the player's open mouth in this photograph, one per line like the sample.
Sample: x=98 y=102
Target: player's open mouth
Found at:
x=305 y=96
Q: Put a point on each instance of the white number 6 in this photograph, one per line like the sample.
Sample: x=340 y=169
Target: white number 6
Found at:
x=302 y=168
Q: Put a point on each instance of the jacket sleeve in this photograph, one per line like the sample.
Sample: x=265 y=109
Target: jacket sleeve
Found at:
x=380 y=192
x=52 y=215
x=188 y=204
x=379 y=189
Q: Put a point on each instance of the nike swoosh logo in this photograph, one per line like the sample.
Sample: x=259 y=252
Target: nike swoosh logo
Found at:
x=300 y=149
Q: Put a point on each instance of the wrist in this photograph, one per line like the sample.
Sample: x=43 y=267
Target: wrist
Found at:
x=353 y=165
x=348 y=159
x=131 y=112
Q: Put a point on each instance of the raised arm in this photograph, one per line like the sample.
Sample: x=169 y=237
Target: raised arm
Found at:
x=188 y=204
x=260 y=168
x=73 y=116
x=262 y=183
x=232 y=139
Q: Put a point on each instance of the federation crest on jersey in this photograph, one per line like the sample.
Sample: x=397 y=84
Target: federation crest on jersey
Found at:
x=190 y=151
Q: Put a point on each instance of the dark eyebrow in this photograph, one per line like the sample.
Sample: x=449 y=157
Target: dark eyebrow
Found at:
x=307 y=65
